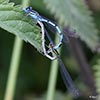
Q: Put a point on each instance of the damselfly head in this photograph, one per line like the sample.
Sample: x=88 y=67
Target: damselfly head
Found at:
x=29 y=10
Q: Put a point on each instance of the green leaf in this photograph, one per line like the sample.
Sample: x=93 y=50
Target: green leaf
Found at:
x=75 y=13
x=4 y=1
x=14 y=20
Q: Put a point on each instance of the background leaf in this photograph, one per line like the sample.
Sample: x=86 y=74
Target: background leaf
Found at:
x=4 y=1
x=13 y=19
x=75 y=13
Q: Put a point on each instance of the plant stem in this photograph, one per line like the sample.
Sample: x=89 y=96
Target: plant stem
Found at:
x=14 y=65
x=52 y=79
x=13 y=71
x=25 y=3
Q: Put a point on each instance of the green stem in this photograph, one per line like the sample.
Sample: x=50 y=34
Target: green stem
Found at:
x=52 y=79
x=14 y=65
x=25 y=3
x=13 y=71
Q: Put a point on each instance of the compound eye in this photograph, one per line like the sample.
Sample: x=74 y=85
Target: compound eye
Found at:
x=29 y=8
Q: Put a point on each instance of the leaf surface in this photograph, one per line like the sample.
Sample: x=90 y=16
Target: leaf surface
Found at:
x=14 y=20
x=75 y=13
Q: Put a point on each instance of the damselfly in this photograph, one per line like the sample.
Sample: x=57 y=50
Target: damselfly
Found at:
x=35 y=15
x=53 y=49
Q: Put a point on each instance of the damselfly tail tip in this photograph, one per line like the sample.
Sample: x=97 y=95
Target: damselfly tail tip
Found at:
x=76 y=93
